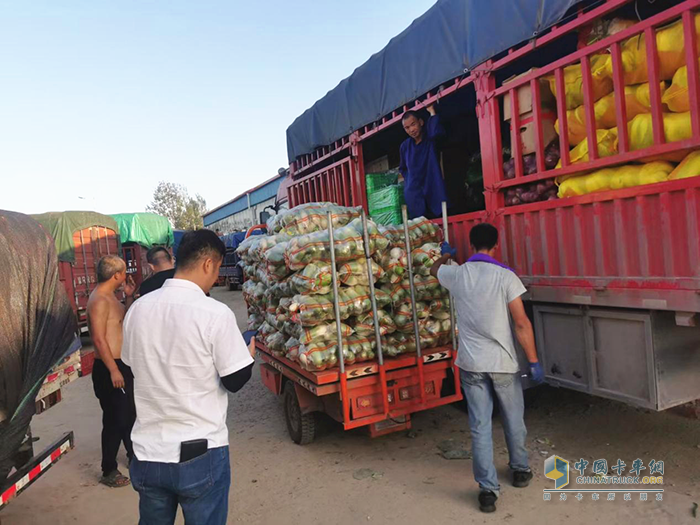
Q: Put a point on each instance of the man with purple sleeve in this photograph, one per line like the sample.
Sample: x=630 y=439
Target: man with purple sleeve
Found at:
x=487 y=295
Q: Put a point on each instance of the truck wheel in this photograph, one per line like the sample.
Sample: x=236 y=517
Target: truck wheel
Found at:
x=232 y=286
x=301 y=427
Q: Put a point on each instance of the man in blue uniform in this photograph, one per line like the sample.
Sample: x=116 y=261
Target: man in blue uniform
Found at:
x=424 y=187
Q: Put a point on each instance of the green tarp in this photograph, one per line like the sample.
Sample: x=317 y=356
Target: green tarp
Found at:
x=146 y=229
x=61 y=225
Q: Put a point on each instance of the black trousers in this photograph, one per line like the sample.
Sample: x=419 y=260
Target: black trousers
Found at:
x=118 y=412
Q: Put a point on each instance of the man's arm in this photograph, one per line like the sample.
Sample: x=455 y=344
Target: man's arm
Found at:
x=98 y=312
x=436 y=265
x=523 y=329
x=403 y=168
x=129 y=291
x=433 y=127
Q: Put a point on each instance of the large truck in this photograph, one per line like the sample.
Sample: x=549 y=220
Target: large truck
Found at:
x=611 y=261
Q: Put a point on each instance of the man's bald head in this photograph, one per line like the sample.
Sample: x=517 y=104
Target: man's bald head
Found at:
x=108 y=267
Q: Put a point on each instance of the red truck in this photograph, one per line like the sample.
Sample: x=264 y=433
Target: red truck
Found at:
x=82 y=238
x=613 y=275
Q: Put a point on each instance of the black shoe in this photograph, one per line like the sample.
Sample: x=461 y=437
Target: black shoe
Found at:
x=487 y=501
x=521 y=478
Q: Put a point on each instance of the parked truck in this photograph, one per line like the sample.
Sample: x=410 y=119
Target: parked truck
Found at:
x=40 y=351
x=138 y=233
x=582 y=122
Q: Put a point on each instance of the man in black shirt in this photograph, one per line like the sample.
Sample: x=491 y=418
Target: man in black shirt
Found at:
x=161 y=263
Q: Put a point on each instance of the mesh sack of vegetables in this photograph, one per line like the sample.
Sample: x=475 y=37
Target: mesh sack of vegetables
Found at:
x=313 y=217
x=310 y=310
x=275 y=343
x=440 y=308
x=535 y=192
x=551 y=158
x=283 y=288
x=318 y=355
x=275 y=262
x=670 y=50
x=427 y=288
x=397 y=292
x=689 y=167
x=266 y=330
x=398 y=343
x=255 y=320
x=322 y=332
x=244 y=247
x=573 y=81
x=403 y=315
x=394 y=263
x=354 y=273
x=676 y=96
x=315 y=278
x=266 y=242
x=291 y=349
x=363 y=325
x=420 y=231
x=283 y=314
x=677 y=127
x=607 y=146
x=349 y=245
x=424 y=257
x=363 y=348
x=637 y=101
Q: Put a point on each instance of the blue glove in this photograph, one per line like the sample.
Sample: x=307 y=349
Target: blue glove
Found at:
x=536 y=372
x=446 y=249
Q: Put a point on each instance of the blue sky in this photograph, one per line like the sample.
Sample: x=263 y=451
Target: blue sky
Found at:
x=100 y=100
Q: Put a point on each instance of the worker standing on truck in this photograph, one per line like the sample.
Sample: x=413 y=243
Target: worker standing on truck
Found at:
x=111 y=378
x=487 y=294
x=186 y=351
x=162 y=266
x=424 y=187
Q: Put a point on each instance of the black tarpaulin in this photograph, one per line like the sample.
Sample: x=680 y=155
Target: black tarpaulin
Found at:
x=451 y=37
x=38 y=326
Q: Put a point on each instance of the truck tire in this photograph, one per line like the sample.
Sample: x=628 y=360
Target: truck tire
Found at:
x=232 y=287
x=301 y=427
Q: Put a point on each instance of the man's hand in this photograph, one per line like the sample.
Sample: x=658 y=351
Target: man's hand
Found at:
x=251 y=347
x=117 y=379
x=431 y=110
x=536 y=372
x=446 y=249
x=129 y=286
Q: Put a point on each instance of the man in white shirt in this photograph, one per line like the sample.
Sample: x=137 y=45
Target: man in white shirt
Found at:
x=185 y=351
x=487 y=294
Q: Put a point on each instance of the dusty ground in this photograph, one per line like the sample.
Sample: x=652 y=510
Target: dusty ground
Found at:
x=278 y=482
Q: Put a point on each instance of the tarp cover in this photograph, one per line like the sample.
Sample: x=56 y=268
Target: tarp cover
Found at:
x=61 y=225
x=38 y=327
x=146 y=229
x=450 y=37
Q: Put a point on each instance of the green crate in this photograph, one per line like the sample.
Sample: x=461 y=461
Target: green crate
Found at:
x=377 y=181
x=389 y=197
x=386 y=216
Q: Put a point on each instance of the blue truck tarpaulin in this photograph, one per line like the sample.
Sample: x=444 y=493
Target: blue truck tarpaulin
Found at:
x=449 y=38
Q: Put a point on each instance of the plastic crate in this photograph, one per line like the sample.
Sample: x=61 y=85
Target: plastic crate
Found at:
x=87 y=360
x=388 y=197
x=387 y=216
x=377 y=181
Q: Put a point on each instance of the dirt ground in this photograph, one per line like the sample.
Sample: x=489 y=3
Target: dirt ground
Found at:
x=278 y=482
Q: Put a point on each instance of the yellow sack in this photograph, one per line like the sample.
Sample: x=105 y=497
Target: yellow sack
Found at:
x=637 y=100
x=607 y=145
x=670 y=49
x=573 y=81
x=627 y=176
x=676 y=96
x=689 y=167
x=677 y=127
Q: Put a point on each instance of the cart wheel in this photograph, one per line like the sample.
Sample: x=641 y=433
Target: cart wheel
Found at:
x=232 y=286
x=301 y=427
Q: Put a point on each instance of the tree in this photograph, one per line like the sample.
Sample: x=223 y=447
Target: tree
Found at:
x=174 y=202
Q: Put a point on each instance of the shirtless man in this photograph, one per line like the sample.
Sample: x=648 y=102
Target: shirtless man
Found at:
x=112 y=380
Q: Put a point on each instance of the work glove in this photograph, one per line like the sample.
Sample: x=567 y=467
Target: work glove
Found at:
x=536 y=372
x=446 y=249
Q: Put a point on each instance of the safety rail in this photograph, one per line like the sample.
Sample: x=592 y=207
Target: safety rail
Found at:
x=342 y=183
x=583 y=59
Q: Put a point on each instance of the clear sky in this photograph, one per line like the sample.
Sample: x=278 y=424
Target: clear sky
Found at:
x=101 y=99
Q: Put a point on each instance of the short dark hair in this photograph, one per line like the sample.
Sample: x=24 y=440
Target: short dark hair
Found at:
x=410 y=113
x=197 y=244
x=483 y=236
x=108 y=266
x=158 y=252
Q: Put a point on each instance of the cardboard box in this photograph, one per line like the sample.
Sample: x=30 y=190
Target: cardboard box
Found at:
x=548 y=113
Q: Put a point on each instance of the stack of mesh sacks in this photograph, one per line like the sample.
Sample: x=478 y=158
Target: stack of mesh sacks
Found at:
x=432 y=300
x=289 y=288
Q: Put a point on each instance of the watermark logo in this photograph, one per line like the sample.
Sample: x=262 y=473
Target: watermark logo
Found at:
x=557 y=469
